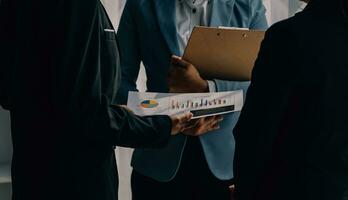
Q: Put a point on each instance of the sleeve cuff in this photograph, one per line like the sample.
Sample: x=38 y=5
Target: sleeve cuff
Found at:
x=212 y=86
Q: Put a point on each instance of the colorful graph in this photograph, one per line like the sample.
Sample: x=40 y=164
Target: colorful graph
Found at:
x=149 y=104
x=198 y=103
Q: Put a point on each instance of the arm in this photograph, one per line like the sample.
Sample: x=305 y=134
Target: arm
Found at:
x=122 y=128
x=71 y=70
x=265 y=106
x=112 y=125
x=130 y=58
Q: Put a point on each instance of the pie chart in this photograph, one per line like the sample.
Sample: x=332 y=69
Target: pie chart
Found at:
x=149 y=104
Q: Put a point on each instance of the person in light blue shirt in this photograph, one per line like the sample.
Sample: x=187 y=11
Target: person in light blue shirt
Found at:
x=151 y=32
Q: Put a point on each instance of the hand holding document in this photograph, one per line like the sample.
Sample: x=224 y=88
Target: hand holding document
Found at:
x=199 y=104
x=198 y=127
x=183 y=77
x=179 y=123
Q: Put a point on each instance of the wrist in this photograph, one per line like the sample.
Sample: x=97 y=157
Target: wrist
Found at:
x=204 y=86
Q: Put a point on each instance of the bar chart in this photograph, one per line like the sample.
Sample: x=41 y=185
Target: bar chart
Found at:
x=199 y=104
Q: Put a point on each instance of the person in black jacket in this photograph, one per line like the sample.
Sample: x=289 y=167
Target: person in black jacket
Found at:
x=59 y=76
x=292 y=136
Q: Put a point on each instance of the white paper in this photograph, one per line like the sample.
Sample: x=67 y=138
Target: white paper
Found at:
x=200 y=104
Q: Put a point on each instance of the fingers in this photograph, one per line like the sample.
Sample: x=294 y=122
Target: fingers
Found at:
x=232 y=188
x=213 y=127
x=127 y=108
x=182 y=123
x=183 y=77
x=233 y=191
x=213 y=119
x=177 y=70
x=178 y=61
x=213 y=123
x=192 y=123
x=179 y=122
x=204 y=125
x=184 y=118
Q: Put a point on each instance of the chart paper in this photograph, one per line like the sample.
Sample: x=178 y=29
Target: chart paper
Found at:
x=199 y=104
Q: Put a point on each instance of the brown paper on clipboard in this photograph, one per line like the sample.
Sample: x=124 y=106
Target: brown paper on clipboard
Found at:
x=227 y=54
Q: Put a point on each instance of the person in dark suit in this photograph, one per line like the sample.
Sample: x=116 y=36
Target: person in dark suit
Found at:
x=59 y=76
x=292 y=136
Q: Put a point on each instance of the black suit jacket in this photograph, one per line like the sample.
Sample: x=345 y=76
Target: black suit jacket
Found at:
x=59 y=75
x=291 y=138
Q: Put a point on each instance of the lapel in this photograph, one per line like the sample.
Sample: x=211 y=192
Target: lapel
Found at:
x=165 y=13
x=221 y=13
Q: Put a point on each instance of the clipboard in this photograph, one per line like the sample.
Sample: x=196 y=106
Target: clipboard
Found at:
x=224 y=53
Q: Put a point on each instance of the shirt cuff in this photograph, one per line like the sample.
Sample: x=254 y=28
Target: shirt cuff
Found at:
x=212 y=86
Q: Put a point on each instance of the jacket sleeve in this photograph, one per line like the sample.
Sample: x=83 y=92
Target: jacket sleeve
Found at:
x=129 y=52
x=114 y=125
x=75 y=77
x=265 y=105
x=122 y=128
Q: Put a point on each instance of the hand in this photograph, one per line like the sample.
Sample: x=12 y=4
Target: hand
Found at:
x=180 y=122
x=233 y=190
x=183 y=77
x=204 y=125
x=126 y=108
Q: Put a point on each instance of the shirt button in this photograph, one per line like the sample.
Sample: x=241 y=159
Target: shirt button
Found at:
x=194 y=10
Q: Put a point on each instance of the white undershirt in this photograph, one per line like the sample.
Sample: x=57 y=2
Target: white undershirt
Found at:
x=188 y=14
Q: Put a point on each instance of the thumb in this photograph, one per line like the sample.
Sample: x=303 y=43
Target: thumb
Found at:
x=185 y=117
x=178 y=122
x=232 y=188
x=178 y=61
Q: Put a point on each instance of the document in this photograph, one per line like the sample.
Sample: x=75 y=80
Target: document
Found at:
x=199 y=104
x=224 y=53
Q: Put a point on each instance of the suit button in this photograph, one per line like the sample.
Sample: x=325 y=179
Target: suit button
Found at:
x=194 y=10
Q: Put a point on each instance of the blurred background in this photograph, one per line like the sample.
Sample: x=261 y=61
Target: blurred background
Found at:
x=276 y=10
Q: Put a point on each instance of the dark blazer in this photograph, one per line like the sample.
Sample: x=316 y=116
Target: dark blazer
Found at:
x=292 y=136
x=59 y=75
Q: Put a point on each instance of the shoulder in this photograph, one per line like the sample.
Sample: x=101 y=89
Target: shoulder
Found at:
x=140 y=8
x=298 y=26
x=137 y=8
